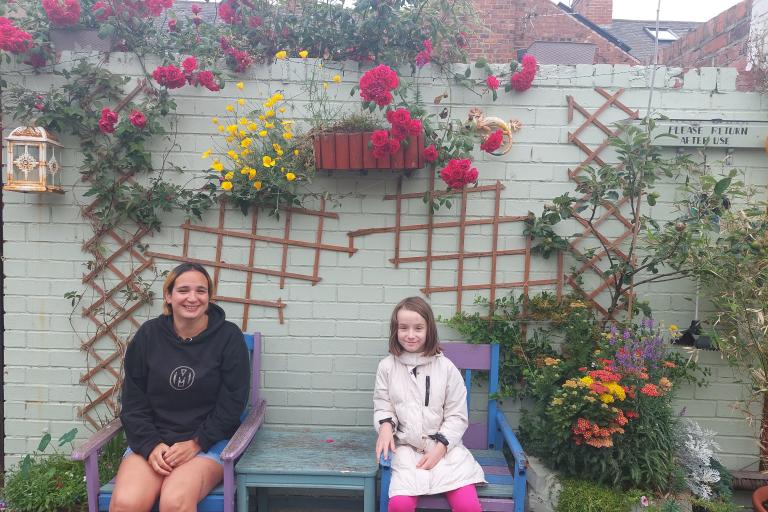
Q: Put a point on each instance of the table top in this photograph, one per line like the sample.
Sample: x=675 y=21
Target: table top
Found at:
x=311 y=452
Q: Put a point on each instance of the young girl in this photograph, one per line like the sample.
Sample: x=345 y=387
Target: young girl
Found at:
x=420 y=413
x=186 y=383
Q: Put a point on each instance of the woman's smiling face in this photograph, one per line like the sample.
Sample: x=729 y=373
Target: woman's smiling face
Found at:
x=190 y=295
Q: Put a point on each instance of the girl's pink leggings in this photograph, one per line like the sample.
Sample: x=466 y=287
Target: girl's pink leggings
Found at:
x=463 y=499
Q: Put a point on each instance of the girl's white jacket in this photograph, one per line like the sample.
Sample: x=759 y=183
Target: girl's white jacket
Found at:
x=424 y=396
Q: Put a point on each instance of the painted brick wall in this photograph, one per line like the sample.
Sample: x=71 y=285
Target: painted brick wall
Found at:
x=723 y=41
x=318 y=367
x=512 y=26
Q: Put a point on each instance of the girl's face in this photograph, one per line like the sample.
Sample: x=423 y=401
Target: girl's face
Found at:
x=411 y=331
x=189 y=298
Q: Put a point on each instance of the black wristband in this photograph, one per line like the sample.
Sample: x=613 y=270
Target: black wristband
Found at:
x=390 y=421
x=440 y=438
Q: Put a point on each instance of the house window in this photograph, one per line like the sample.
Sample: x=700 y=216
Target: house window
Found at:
x=665 y=34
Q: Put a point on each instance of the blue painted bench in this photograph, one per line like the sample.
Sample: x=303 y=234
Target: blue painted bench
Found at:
x=222 y=498
x=506 y=489
x=339 y=459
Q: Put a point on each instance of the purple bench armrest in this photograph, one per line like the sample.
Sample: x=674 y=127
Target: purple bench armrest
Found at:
x=97 y=440
x=242 y=438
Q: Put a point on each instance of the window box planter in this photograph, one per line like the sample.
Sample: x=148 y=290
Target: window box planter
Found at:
x=353 y=151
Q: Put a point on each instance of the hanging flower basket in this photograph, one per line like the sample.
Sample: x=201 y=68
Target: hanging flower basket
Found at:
x=353 y=151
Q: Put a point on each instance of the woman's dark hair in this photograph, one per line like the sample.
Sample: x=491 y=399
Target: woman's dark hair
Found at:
x=170 y=281
x=420 y=306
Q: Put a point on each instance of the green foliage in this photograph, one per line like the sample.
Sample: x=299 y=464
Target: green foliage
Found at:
x=52 y=482
x=585 y=496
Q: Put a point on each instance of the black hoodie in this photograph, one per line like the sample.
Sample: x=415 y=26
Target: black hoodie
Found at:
x=177 y=390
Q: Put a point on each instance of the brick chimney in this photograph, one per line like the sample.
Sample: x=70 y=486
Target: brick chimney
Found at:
x=599 y=12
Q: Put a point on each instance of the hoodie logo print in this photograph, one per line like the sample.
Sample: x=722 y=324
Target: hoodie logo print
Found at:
x=182 y=378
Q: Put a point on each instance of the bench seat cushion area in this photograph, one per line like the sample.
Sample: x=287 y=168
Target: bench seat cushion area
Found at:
x=499 y=487
x=214 y=502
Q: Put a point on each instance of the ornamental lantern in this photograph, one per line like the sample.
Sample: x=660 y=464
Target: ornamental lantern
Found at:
x=34 y=161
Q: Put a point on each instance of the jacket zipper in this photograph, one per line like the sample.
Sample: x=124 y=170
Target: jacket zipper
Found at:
x=426 y=399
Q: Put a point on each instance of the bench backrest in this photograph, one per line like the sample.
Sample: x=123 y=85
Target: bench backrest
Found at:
x=253 y=342
x=468 y=358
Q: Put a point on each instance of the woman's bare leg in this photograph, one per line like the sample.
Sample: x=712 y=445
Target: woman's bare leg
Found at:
x=137 y=486
x=188 y=484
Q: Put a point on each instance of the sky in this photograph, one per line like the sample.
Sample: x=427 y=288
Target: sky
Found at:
x=671 y=10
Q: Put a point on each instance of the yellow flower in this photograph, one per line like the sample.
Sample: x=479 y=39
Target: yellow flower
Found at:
x=296 y=152
x=303 y=54
x=287 y=135
x=233 y=155
x=244 y=153
x=226 y=185
x=229 y=108
x=221 y=128
x=270 y=113
x=261 y=117
x=252 y=174
x=269 y=126
x=290 y=176
x=336 y=78
x=267 y=161
x=232 y=128
x=606 y=398
x=673 y=328
x=586 y=380
x=241 y=102
x=257 y=185
x=245 y=143
x=206 y=153
x=286 y=123
x=570 y=383
x=244 y=170
x=215 y=120
x=616 y=390
x=282 y=54
x=252 y=127
x=278 y=96
x=217 y=166
x=263 y=133
x=277 y=149
x=282 y=110
x=241 y=134
x=557 y=401
x=229 y=138
x=243 y=121
x=229 y=176
x=240 y=85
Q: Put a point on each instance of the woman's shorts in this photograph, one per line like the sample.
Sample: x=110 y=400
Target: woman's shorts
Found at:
x=213 y=453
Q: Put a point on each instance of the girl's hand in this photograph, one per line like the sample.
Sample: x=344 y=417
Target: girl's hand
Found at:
x=385 y=441
x=432 y=457
x=156 y=461
x=182 y=452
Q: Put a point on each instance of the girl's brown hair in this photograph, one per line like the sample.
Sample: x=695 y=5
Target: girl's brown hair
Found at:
x=170 y=282
x=420 y=306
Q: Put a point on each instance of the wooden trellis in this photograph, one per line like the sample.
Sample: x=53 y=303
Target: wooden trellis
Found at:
x=250 y=269
x=432 y=226
x=610 y=212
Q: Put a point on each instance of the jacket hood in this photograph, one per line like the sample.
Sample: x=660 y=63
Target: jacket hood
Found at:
x=216 y=318
x=411 y=359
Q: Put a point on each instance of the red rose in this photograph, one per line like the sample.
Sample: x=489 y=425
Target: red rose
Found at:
x=170 y=76
x=394 y=145
x=430 y=153
x=399 y=131
x=196 y=9
x=492 y=142
x=425 y=55
x=40 y=106
x=102 y=11
x=415 y=127
x=172 y=25
x=492 y=82
x=228 y=13
x=138 y=119
x=13 y=39
x=189 y=64
x=108 y=120
x=208 y=80
x=400 y=117
x=377 y=83
x=62 y=13
x=380 y=138
x=458 y=173
x=522 y=80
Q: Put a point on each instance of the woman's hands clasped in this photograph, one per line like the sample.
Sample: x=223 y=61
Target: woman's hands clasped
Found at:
x=164 y=458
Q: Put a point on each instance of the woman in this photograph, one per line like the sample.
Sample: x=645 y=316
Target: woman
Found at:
x=186 y=385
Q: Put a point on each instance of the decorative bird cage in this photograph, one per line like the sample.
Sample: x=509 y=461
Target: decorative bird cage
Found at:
x=34 y=161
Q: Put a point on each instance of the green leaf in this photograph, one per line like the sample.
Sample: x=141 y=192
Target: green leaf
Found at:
x=68 y=437
x=468 y=72
x=44 y=442
x=722 y=185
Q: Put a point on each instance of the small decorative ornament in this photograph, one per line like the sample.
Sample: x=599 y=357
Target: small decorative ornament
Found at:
x=34 y=161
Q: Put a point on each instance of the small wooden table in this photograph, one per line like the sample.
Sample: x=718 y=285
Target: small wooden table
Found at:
x=308 y=459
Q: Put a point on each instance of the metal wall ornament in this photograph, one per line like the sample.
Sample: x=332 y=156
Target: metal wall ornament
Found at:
x=34 y=161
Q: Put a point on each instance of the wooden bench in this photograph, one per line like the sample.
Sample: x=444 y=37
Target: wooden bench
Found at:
x=338 y=459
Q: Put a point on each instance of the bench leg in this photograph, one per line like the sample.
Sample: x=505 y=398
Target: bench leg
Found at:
x=369 y=495
x=242 y=496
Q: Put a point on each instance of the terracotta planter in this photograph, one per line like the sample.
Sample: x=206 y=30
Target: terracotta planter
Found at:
x=85 y=39
x=353 y=151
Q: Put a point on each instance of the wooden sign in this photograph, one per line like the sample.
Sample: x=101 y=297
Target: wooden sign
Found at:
x=714 y=133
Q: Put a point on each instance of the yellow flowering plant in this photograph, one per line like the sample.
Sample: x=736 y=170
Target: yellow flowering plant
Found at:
x=259 y=160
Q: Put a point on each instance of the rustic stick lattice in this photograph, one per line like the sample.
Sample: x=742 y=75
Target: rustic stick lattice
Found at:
x=432 y=226
x=610 y=213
